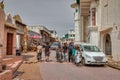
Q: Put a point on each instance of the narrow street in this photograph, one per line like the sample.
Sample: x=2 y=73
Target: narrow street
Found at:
x=68 y=71
x=88 y=31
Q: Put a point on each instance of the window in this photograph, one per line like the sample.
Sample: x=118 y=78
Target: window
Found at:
x=76 y=10
x=91 y=48
x=93 y=11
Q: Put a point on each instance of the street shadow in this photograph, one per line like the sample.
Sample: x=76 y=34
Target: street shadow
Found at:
x=18 y=73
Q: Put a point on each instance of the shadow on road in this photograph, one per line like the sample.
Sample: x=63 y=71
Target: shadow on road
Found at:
x=18 y=73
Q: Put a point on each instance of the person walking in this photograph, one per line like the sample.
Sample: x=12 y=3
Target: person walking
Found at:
x=47 y=51
x=70 y=48
x=39 y=52
x=65 y=51
x=59 y=54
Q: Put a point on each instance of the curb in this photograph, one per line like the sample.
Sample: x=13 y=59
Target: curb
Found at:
x=113 y=66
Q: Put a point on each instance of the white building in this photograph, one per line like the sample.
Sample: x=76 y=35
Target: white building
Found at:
x=71 y=35
x=100 y=25
x=35 y=28
x=76 y=6
x=54 y=34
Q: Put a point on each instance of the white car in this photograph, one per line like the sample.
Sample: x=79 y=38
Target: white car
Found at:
x=91 y=54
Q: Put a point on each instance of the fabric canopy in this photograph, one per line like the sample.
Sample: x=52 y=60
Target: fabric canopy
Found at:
x=35 y=37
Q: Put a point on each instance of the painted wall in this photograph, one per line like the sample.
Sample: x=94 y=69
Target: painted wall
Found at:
x=110 y=17
x=13 y=31
x=2 y=22
x=94 y=37
x=18 y=41
x=77 y=24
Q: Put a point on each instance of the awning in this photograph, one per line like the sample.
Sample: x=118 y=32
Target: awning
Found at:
x=35 y=37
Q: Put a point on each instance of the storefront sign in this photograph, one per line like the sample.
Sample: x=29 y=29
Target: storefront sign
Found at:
x=36 y=37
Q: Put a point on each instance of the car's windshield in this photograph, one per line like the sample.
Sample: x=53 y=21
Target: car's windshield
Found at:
x=89 y=48
x=55 y=44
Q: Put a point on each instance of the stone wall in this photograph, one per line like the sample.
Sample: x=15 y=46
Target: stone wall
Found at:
x=110 y=17
x=6 y=75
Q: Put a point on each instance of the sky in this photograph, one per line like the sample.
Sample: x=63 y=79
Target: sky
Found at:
x=53 y=14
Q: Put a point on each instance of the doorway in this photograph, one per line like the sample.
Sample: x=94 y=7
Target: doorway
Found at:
x=108 y=46
x=9 y=43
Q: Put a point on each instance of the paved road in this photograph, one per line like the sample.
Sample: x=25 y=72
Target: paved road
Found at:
x=68 y=71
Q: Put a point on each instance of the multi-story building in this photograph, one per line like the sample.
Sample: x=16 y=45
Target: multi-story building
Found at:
x=54 y=35
x=43 y=31
x=99 y=21
x=69 y=37
x=76 y=6
x=21 y=36
x=7 y=35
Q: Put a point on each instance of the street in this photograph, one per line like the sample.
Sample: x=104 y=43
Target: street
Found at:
x=88 y=31
x=68 y=71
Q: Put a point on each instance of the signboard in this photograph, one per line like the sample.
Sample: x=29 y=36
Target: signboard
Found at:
x=35 y=37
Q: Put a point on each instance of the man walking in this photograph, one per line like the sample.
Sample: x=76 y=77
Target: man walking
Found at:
x=70 y=48
x=47 y=51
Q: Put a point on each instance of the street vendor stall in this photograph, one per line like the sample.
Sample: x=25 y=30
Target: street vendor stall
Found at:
x=33 y=42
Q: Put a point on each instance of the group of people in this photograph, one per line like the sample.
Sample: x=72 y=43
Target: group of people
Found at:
x=70 y=52
x=46 y=48
x=66 y=52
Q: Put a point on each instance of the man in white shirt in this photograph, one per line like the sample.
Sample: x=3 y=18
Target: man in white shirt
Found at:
x=39 y=52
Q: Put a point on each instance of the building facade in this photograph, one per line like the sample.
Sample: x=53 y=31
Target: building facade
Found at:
x=54 y=36
x=43 y=31
x=21 y=36
x=7 y=35
x=99 y=21
x=76 y=6
x=69 y=37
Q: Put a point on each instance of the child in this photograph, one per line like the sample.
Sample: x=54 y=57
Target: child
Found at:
x=77 y=56
x=39 y=52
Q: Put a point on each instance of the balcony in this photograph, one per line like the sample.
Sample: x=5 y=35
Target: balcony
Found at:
x=75 y=3
x=93 y=28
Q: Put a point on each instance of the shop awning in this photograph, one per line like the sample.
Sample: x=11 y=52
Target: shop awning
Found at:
x=35 y=37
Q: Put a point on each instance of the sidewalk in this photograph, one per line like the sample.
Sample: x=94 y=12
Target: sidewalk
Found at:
x=30 y=69
x=114 y=64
